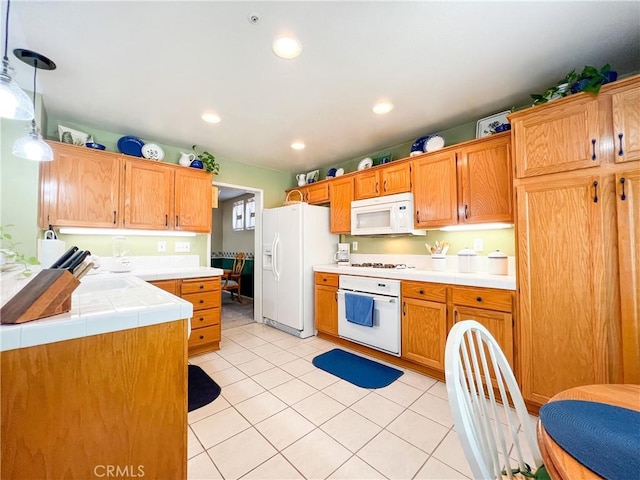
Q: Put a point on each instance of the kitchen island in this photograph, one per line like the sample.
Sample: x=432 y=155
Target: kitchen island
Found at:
x=102 y=389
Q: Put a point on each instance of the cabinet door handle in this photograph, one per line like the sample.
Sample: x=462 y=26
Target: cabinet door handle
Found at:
x=114 y=217
x=384 y=186
x=455 y=316
x=623 y=197
x=404 y=308
x=376 y=187
x=336 y=295
x=593 y=147
x=620 y=152
x=595 y=191
x=466 y=211
x=166 y=220
x=177 y=223
x=417 y=216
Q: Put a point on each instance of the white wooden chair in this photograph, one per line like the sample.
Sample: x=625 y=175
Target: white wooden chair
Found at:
x=478 y=376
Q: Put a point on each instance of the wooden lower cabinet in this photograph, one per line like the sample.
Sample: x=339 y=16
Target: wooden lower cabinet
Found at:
x=205 y=295
x=492 y=308
x=326 y=302
x=424 y=323
x=74 y=408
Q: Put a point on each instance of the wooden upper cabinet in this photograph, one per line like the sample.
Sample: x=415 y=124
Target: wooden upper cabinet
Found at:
x=628 y=218
x=317 y=193
x=80 y=189
x=341 y=194
x=434 y=190
x=192 y=200
x=148 y=195
x=485 y=192
x=395 y=178
x=557 y=137
x=625 y=103
x=386 y=180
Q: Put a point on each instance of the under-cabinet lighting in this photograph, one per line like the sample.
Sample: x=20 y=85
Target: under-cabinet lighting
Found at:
x=476 y=226
x=121 y=231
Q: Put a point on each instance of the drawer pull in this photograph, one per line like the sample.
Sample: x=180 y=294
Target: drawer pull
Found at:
x=479 y=299
x=202 y=319
x=201 y=287
x=201 y=337
x=201 y=301
x=324 y=279
x=421 y=292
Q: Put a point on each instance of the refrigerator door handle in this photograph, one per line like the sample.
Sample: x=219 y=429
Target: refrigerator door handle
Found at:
x=276 y=271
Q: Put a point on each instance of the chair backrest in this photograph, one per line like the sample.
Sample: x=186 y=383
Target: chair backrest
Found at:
x=478 y=376
x=238 y=264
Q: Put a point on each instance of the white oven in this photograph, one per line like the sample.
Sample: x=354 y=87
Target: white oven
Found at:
x=384 y=335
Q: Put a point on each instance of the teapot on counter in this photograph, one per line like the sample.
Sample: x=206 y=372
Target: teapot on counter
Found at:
x=302 y=179
x=186 y=159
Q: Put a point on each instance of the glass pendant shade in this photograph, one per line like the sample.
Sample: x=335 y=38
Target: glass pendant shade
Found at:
x=14 y=102
x=32 y=147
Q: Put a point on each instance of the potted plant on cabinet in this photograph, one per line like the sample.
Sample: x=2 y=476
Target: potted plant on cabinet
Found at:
x=589 y=80
x=208 y=160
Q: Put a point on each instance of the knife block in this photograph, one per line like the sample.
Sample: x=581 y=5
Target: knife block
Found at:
x=49 y=293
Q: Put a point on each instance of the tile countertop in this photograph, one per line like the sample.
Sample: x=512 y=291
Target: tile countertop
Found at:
x=504 y=282
x=104 y=302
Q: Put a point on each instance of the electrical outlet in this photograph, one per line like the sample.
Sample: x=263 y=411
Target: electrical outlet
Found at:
x=478 y=244
x=183 y=247
x=354 y=246
x=162 y=246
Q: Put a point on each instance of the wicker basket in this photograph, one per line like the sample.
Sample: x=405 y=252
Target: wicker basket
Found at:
x=289 y=200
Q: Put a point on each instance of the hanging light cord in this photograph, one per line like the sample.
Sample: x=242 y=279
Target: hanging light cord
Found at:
x=35 y=72
x=6 y=31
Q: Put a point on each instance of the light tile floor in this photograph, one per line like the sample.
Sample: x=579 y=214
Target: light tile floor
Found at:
x=279 y=417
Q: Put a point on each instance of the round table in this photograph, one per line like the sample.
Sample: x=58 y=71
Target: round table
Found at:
x=561 y=465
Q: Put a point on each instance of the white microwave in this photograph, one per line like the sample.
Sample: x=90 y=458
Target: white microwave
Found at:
x=388 y=215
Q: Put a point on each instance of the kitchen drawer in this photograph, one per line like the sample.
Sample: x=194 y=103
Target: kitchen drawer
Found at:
x=330 y=279
x=205 y=318
x=199 y=285
x=482 y=298
x=434 y=292
x=202 y=336
x=203 y=300
x=167 y=285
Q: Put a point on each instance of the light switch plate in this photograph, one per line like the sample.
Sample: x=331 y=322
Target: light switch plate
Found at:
x=354 y=246
x=478 y=244
x=183 y=247
x=162 y=246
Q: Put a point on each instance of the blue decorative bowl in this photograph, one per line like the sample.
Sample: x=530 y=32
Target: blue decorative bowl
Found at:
x=196 y=164
x=95 y=146
x=502 y=128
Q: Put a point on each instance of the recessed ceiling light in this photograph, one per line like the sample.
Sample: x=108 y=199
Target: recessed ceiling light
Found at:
x=210 y=117
x=297 y=145
x=287 y=47
x=382 y=107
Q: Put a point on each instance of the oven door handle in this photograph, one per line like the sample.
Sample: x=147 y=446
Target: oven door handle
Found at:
x=376 y=298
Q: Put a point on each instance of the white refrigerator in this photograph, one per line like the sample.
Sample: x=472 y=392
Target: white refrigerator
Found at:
x=295 y=238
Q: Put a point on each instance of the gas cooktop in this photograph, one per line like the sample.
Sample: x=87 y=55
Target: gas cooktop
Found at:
x=397 y=266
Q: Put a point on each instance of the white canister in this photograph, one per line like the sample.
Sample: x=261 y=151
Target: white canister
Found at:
x=497 y=263
x=467 y=260
x=438 y=262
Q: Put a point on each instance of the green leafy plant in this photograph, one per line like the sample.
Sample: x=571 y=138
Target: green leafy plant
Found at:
x=10 y=253
x=589 y=80
x=208 y=160
x=540 y=474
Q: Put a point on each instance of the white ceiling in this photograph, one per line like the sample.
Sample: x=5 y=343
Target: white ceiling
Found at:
x=151 y=68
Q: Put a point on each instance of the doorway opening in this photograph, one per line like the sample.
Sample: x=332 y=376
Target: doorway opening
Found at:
x=237 y=228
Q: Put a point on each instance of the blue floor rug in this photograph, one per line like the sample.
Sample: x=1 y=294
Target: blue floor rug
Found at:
x=202 y=389
x=360 y=371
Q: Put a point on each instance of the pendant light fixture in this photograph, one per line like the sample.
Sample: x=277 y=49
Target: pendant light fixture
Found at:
x=14 y=102
x=31 y=146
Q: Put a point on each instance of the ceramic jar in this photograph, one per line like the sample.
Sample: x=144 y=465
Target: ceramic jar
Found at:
x=438 y=262
x=467 y=261
x=497 y=263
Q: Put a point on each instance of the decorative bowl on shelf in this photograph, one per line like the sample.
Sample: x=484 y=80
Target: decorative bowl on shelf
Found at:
x=197 y=164
x=95 y=146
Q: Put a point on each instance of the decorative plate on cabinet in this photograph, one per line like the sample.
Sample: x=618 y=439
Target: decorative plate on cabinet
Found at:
x=130 y=145
x=365 y=163
x=152 y=152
